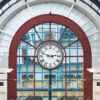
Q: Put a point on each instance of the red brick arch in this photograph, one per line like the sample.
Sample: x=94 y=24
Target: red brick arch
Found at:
x=43 y=19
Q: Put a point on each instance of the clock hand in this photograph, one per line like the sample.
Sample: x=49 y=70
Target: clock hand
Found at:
x=46 y=54
x=51 y=55
x=56 y=55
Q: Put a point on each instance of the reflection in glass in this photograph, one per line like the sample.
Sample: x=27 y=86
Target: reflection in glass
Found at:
x=33 y=82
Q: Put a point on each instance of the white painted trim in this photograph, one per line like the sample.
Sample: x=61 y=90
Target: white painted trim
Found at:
x=70 y=10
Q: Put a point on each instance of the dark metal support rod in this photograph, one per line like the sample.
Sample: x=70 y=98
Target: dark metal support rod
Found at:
x=50 y=36
x=29 y=43
x=37 y=34
x=71 y=43
x=62 y=34
x=50 y=85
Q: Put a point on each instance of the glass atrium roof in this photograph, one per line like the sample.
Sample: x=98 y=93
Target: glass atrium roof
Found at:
x=94 y=4
x=5 y=4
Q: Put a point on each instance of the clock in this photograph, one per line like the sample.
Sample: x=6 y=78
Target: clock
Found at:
x=50 y=55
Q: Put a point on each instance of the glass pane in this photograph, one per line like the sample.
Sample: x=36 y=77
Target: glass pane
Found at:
x=66 y=81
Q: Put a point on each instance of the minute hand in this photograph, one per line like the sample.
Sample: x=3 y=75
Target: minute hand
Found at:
x=46 y=54
x=57 y=55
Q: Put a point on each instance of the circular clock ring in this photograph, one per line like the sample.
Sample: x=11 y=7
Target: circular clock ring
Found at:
x=50 y=55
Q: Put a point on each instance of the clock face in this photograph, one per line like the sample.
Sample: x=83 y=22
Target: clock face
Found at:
x=50 y=55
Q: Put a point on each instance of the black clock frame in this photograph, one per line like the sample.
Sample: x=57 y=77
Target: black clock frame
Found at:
x=57 y=44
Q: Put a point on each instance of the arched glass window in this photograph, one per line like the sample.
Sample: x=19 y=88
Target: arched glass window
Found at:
x=51 y=60
x=66 y=77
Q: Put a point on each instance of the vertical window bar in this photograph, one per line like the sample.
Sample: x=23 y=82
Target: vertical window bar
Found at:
x=27 y=61
x=34 y=74
x=42 y=31
x=42 y=68
x=57 y=31
x=65 y=75
x=77 y=68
